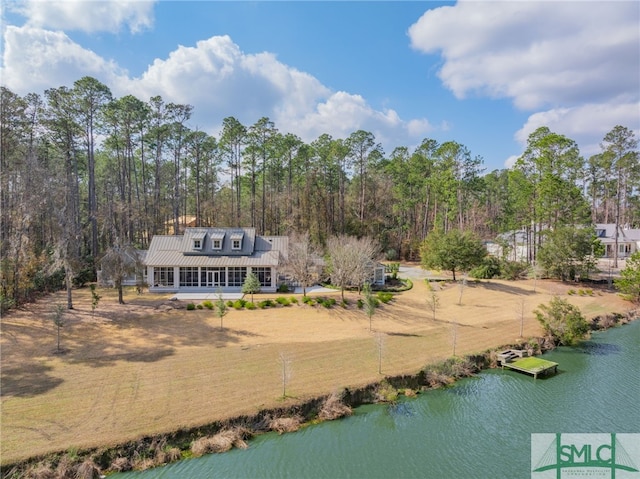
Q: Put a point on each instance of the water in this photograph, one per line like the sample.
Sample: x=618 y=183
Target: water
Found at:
x=480 y=428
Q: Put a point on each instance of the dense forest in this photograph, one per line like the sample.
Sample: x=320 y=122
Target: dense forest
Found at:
x=81 y=170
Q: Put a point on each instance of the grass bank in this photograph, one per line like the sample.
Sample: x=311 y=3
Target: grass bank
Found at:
x=221 y=436
x=146 y=369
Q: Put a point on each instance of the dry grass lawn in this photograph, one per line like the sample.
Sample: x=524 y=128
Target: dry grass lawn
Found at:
x=144 y=367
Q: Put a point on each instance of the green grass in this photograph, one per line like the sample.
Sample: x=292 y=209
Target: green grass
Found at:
x=533 y=364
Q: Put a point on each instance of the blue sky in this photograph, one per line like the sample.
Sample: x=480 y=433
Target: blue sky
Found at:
x=485 y=74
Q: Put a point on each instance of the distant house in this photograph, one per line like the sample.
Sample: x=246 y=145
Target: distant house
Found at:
x=628 y=240
x=137 y=278
x=212 y=259
x=512 y=246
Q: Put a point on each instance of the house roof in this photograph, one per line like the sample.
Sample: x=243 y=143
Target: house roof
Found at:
x=606 y=233
x=206 y=235
x=166 y=250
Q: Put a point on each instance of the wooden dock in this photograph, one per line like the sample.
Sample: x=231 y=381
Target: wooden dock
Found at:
x=518 y=361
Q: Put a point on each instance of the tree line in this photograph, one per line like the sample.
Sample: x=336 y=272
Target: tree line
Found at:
x=82 y=170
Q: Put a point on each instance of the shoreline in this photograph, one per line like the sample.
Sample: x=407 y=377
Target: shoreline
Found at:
x=162 y=449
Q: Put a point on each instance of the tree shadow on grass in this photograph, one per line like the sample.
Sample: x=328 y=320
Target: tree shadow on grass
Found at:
x=142 y=355
x=501 y=287
x=27 y=380
x=405 y=335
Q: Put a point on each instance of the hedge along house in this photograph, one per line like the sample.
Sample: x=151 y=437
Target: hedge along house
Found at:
x=214 y=259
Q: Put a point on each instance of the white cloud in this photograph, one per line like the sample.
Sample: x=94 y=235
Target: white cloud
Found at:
x=586 y=124
x=536 y=53
x=36 y=59
x=509 y=162
x=89 y=15
x=214 y=76
x=575 y=63
x=220 y=80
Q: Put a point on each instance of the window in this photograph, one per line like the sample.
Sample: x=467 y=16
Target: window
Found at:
x=263 y=274
x=197 y=244
x=189 y=276
x=236 y=240
x=216 y=244
x=237 y=276
x=163 y=277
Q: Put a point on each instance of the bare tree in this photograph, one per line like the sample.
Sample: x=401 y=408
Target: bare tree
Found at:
x=433 y=302
x=520 y=309
x=454 y=336
x=285 y=362
x=221 y=308
x=351 y=261
x=535 y=272
x=462 y=284
x=57 y=317
x=370 y=303
x=380 y=341
x=120 y=261
x=303 y=263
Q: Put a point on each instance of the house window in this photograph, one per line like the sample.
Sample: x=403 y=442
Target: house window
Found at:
x=197 y=244
x=216 y=244
x=188 y=276
x=163 y=277
x=237 y=276
x=236 y=244
x=263 y=274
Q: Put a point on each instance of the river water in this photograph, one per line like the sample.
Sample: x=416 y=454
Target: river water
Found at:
x=480 y=428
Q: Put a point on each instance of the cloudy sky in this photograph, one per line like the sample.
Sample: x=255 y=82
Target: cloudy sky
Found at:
x=485 y=74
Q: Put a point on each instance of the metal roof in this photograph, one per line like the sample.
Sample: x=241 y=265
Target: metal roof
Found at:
x=166 y=250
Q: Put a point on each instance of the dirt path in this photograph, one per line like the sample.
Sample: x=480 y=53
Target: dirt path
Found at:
x=145 y=367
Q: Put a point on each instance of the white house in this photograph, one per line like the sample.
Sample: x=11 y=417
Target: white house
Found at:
x=628 y=240
x=212 y=259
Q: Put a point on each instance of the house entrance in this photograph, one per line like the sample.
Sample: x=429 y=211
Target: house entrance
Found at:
x=215 y=279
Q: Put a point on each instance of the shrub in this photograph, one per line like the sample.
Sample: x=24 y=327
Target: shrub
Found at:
x=267 y=303
x=384 y=296
x=308 y=300
x=333 y=408
x=283 y=301
x=489 y=268
x=207 y=304
x=360 y=303
x=230 y=303
x=571 y=292
x=562 y=321
x=121 y=464
x=191 y=306
x=391 y=254
x=385 y=392
x=250 y=305
x=285 y=424
x=293 y=300
x=344 y=303
x=174 y=454
x=239 y=304
x=88 y=470
x=200 y=306
x=283 y=288
x=513 y=270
